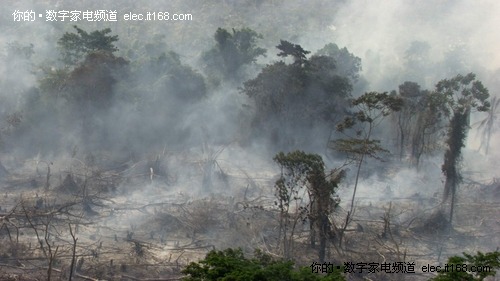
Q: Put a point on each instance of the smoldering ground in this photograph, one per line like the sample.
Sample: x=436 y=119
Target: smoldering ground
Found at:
x=177 y=134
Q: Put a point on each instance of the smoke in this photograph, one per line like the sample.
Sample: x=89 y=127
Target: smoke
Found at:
x=453 y=30
x=181 y=135
x=396 y=41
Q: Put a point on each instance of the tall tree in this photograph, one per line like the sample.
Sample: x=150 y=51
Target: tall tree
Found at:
x=166 y=89
x=486 y=125
x=290 y=99
x=303 y=173
x=289 y=190
x=371 y=109
x=429 y=125
x=463 y=94
x=347 y=64
x=295 y=51
x=323 y=202
x=85 y=86
x=405 y=119
x=75 y=46
x=419 y=122
x=232 y=51
x=90 y=92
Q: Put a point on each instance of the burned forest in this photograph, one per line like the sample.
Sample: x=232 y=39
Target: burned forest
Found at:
x=249 y=140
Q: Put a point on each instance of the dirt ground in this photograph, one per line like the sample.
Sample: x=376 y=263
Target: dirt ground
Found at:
x=146 y=220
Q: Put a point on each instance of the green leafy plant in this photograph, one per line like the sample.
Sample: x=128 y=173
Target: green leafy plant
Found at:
x=231 y=264
x=305 y=191
x=470 y=267
x=291 y=98
x=75 y=46
x=463 y=94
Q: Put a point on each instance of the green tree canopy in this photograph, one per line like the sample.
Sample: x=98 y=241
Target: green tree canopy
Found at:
x=75 y=46
x=347 y=64
x=295 y=51
x=303 y=170
x=406 y=120
x=462 y=94
x=81 y=93
x=292 y=97
x=232 y=51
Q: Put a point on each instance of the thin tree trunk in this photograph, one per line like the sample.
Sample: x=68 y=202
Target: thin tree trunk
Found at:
x=356 y=183
x=452 y=207
x=322 y=238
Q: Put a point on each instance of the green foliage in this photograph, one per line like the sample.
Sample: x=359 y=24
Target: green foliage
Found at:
x=92 y=80
x=486 y=125
x=232 y=51
x=75 y=46
x=169 y=79
x=478 y=267
x=419 y=121
x=347 y=64
x=371 y=108
x=456 y=141
x=410 y=90
x=382 y=102
x=299 y=162
x=431 y=120
x=462 y=94
x=161 y=87
x=291 y=98
x=231 y=264
x=180 y=80
x=295 y=51
x=53 y=80
x=406 y=118
x=88 y=83
x=82 y=91
x=370 y=148
x=299 y=170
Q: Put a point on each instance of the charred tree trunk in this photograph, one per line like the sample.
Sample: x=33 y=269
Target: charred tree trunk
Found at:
x=456 y=140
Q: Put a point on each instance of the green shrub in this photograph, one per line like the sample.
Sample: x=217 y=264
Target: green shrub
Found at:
x=231 y=265
x=477 y=267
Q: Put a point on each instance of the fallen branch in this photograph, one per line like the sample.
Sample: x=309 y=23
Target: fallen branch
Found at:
x=151 y=279
x=77 y=275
